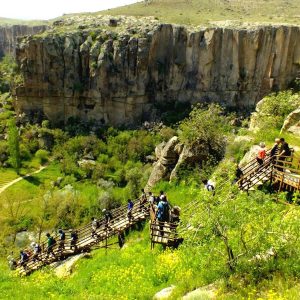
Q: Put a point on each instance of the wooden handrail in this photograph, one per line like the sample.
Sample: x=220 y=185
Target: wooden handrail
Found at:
x=120 y=218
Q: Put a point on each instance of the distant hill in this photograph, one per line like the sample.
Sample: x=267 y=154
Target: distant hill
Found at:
x=197 y=12
x=7 y=21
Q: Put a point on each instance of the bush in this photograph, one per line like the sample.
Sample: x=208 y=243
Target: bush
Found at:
x=206 y=126
x=42 y=155
x=273 y=109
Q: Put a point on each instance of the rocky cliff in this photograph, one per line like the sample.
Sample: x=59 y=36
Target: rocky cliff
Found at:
x=9 y=35
x=115 y=70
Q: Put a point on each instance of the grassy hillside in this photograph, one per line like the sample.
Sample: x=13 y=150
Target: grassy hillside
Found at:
x=7 y=21
x=198 y=12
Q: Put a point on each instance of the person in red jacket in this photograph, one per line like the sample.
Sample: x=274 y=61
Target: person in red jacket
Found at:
x=261 y=154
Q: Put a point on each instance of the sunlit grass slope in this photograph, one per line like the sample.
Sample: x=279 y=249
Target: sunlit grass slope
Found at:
x=196 y=12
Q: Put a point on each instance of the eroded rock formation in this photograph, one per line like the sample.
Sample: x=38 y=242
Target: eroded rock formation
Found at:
x=116 y=74
x=10 y=34
x=292 y=123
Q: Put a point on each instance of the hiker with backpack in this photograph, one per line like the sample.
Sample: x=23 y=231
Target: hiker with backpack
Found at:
x=74 y=239
x=50 y=244
x=129 y=209
x=163 y=213
x=209 y=186
x=36 y=251
x=95 y=225
x=23 y=259
x=163 y=210
x=261 y=154
x=62 y=239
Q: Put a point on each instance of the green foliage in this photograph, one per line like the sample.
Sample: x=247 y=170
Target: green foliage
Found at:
x=206 y=128
x=273 y=109
x=204 y=12
x=9 y=76
x=42 y=156
x=14 y=145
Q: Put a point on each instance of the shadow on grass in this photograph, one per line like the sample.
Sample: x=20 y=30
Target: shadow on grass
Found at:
x=33 y=180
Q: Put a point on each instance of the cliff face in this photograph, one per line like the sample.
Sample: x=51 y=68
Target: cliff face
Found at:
x=116 y=77
x=9 y=35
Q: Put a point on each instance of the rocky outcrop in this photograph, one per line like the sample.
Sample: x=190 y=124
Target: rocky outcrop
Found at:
x=167 y=159
x=164 y=294
x=10 y=34
x=292 y=123
x=117 y=74
x=250 y=155
x=173 y=155
x=65 y=268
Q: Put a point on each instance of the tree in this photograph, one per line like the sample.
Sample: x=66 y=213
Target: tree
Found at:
x=14 y=145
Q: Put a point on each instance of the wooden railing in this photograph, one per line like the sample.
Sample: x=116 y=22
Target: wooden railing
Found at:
x=86 y=237
x=164 y=233
x=284 y=169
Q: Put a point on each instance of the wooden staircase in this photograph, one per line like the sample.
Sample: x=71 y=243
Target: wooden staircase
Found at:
x=164 y=233
x=283 y=173
x=86 y=241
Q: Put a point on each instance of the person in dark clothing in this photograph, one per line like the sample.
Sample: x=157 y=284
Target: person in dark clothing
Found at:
x=121 y=238
x=284 y=148
x=284 y=152
x=74 y=239
x=238 y=173
x=50 y=244
x=275 y=148
x=107 y=215
x=129 y=209
x=23 y=259
x=62 y=238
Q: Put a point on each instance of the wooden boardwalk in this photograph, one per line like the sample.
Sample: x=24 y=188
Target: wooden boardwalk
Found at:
x=282 y=172
x=87 y=240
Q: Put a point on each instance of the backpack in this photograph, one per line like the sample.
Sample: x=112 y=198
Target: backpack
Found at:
x=62 y=236
x=53 y=241
x=38 y=249
x=165 y=212
x=210 y=187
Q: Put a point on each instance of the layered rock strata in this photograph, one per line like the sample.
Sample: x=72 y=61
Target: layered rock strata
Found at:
x=9 y=35
x=116 y=75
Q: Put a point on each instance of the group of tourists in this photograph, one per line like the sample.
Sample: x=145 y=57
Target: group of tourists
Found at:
x=279 y=152
x=35 y=251
x=56 y=246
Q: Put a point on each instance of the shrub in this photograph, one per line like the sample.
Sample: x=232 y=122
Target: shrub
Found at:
x=206 y=126
x=42 y=155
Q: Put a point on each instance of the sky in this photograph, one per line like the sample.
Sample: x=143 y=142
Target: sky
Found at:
x=48 y=9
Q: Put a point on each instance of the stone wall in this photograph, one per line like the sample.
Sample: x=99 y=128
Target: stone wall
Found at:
x=115 y=77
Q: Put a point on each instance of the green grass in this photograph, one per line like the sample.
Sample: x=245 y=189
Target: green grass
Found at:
x=7 y=175
x=8 y=21
x=198 y=12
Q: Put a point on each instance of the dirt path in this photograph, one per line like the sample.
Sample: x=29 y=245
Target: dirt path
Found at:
x=6 y=186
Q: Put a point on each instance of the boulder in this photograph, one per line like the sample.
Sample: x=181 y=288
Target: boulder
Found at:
x=189 y=155
x=158 y=149
x=167 y=159
x=66 y=268
x=292 y=123
x=164 y=294
x=205 y=292
x=251 y=154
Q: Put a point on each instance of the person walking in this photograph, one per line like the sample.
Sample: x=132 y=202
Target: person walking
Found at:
x=261 y=154
x=130 y=205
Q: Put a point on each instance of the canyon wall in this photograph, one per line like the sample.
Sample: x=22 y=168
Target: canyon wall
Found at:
x=10 y=33
x=117 y=76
